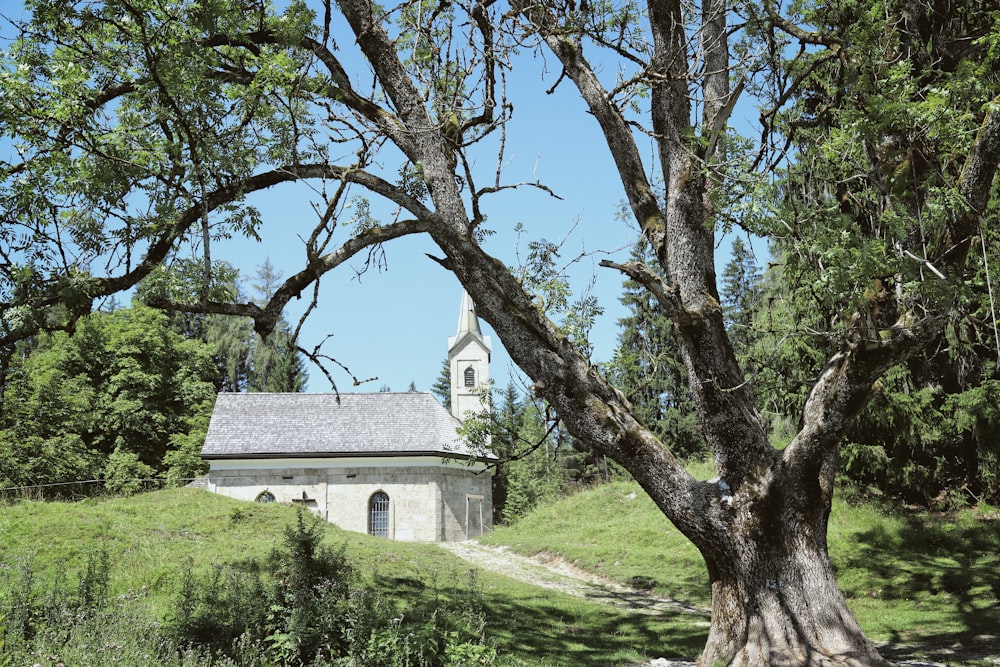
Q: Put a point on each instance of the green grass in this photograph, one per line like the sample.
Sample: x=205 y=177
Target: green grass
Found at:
x=927 y=580
x=919 y=577
x=616 y=531
x=151 y=537
x=924 y=579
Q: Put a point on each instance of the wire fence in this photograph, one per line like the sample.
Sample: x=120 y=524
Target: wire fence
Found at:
x=86 y=488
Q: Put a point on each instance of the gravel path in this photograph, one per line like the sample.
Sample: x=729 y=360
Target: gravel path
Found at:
x=556 y=574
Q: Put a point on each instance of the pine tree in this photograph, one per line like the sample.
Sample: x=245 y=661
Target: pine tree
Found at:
x=741 y=295
x=645 y=366
x=245 y=361
x=275 y=364
x=442 y=386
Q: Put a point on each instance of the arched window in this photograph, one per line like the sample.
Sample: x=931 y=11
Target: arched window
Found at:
x=378 y=515
x=470 y=377
x=265 y=497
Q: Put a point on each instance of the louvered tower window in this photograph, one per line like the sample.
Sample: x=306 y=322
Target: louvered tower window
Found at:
x=470 y=377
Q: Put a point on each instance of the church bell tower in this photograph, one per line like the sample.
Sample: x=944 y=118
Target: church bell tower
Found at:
x=469 y=362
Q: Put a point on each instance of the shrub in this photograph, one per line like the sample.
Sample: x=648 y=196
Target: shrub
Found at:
x=302 y=606
x=125 y=474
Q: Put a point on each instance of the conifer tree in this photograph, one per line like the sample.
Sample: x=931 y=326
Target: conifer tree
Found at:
x=741 y=295
x=647 y=368
x=442 y=385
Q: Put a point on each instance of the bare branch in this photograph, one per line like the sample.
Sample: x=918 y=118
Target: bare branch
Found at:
x=665 y=294
x=616 y=130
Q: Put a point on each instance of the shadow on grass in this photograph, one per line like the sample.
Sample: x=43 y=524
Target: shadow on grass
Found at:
x=555 y=635
x=553 y=629
x=946 y=565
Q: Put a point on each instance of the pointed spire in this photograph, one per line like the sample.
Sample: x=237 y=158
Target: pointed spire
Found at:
x=468 y=361
x=468 y=321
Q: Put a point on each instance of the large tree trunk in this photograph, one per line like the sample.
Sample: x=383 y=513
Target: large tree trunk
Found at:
x=775 y=600
x=779 y=605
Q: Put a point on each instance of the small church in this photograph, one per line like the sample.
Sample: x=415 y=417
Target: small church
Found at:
x=387 y=464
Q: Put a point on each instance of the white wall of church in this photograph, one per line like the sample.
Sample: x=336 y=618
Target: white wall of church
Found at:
x=430 y=498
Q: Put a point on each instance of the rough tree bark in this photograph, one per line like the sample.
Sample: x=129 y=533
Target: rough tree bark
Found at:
x=761 y=524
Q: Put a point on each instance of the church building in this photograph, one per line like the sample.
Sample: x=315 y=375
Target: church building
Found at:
x=387 y=464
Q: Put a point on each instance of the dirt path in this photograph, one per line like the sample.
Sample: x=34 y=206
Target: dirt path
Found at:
x=556 y=574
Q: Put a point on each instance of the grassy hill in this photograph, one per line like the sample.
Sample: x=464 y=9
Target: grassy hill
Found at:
x=926 y=580
x=152 y=538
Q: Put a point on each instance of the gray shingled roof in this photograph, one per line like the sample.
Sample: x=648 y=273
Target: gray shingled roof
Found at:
x=305 y=425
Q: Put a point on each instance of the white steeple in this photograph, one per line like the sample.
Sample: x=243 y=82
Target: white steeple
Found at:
x=469 y=361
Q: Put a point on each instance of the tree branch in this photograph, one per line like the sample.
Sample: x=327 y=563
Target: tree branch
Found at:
x=616 y=130
x=666 y=295
x=160 y=248
x=845 y=386
x=974 y=185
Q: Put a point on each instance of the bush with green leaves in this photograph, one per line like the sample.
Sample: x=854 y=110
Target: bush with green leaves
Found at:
x=303 y=605
x=110 y=399
x=125 y=474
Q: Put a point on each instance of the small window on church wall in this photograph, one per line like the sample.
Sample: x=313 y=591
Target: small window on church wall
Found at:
x=265 y=497
x=378 y=515
x=470 y=377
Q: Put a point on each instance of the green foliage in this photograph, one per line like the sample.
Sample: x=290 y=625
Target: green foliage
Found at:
x=530 y=468
x=879 y=131
x=302 y=604
x=66 y=56
x=275 y=363
x=306 y=605
x=442 y=385
x=109 y=398
x=245 y=361
x=880 y=134
x=37 y=460
x=128 y=395
x=926 y=444
x=530 y=472
x=183 y=461
x=92 y=591
x=543 y=275
x=125 y=474
x=741 y=292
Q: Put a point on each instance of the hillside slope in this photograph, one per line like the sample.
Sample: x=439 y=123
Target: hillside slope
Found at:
x=151 y=539
x=928 y=582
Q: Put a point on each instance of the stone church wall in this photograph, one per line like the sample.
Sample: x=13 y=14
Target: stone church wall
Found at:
x=427 y=502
